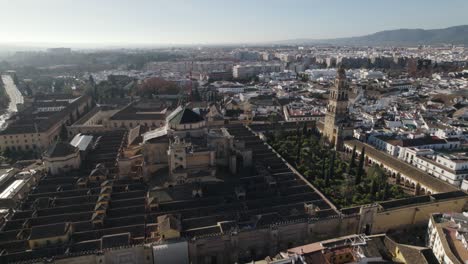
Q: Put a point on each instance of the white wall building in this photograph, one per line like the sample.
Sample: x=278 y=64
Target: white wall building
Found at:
x=449 y=168
x=295 y=112
x=447 y=235
x=398 y=146
x=252 y=70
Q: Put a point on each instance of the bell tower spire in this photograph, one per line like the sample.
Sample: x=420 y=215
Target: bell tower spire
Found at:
x=337 y=109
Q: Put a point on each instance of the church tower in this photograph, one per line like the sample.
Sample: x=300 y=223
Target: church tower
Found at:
x=336 y=118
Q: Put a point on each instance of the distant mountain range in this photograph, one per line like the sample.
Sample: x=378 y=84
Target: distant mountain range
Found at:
x=399 y=37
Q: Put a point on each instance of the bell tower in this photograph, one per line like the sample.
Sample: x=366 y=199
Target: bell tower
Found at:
x=337 y=110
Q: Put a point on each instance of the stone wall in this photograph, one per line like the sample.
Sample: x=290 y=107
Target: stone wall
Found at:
x=414 y=215
x=261 y=242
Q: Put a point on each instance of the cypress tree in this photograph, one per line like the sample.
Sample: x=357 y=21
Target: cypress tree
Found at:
x=352 y=162
x=332 y=164
x=299 y=147
x=417 y=189
x=323 y=167
x=373 y=189
x=360 y=169
x=331 y=169
x=398 y=178
x=313 y=169
x=386 y=191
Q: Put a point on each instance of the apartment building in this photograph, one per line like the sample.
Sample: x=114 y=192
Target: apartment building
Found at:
x=252 y=70
x=450 y=168
x=397 y=146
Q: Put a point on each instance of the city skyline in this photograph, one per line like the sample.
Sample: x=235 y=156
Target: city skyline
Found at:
x=123 y=23
x=261 y=131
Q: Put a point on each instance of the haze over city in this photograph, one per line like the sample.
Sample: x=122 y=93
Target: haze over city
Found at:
x=121 y=22
x=221 y=132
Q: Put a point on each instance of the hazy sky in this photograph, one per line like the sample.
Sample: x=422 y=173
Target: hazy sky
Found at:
x=215 y=21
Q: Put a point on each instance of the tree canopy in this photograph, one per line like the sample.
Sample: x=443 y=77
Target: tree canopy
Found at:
x=330 y=173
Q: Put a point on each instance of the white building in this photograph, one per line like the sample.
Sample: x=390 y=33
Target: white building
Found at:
x=450 y=168
x=252 y=70
x=324 y=74
x=277 y=76
x=447 y=235
x=228 y=87
x=401 y=84
x=464 y=185
x=397 y=146
x=15 y=185
x=364 y=74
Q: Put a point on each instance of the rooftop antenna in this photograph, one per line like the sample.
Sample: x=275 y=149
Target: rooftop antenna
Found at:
x=356 y=242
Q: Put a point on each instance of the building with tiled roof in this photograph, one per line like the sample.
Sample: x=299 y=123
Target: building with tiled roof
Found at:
x=355 y=249
x=252 y=213
x=447 y=236
x=451 y=168
x=185 y=121
x=61 y=157
x=60 y=149
x=151 y=115
x=51 y=234
x=397 y=146
x=37 y=126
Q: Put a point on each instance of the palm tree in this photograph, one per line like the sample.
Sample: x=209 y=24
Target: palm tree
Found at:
x=331 y=169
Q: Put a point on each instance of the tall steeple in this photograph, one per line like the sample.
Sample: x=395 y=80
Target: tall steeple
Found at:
x=337 y=109
x=338 y=100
